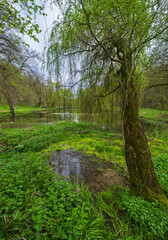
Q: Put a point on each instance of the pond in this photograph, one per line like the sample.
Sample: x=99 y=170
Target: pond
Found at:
x=106 y=120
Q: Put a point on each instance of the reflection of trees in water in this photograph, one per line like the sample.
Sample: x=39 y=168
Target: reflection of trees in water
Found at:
x=105 y=120
x=67 y=163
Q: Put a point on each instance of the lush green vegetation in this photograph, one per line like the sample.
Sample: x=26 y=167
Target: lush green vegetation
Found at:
x=116 y=54
x=37 y=204
x=19 y=110
x=154 y=114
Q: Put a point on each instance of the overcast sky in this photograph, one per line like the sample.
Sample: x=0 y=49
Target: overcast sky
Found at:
x=45 y=24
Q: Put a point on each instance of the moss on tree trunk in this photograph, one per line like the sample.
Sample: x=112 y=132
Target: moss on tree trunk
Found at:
x=143 y=179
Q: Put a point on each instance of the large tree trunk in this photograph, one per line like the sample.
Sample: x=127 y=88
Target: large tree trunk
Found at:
x=143 y=179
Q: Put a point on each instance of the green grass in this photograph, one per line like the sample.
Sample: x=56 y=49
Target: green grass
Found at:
x=154 y=114
x=37 y=204
x=4 y=109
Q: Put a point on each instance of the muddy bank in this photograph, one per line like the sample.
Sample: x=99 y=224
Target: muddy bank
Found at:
x=98 y=176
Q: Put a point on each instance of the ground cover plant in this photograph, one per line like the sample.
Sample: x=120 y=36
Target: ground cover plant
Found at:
x=154 y=113
x=37 y=204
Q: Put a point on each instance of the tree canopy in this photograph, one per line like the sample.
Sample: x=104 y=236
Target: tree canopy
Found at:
x=20 y=15
x=101 y=35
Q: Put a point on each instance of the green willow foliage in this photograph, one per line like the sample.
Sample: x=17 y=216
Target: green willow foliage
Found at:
x=18 y=14
x=99 y=34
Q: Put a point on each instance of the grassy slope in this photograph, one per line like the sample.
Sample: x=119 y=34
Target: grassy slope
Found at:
x=153 y=113
x=35 y=204
x=19 y=110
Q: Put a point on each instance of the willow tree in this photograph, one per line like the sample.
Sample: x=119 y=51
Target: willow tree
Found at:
x=108 y=41
x=19 y=15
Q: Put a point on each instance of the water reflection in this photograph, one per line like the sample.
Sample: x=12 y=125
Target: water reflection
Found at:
x=107 y=120
x=72 y=164
x=34 y=118
x=66 y=163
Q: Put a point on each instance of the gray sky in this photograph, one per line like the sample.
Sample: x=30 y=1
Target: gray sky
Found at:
x=45 y=24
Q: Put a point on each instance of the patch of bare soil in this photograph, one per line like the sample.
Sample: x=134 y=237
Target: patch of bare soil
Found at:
x=107 y=179
x=99 y=175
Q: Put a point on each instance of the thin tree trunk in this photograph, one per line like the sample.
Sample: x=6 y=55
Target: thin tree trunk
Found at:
x=59 y=107
x=12 y=111
x=143 y=179
x=112 y=107
x=64 y=105
x=53 y=103
x=10 y=103
x=40 y=98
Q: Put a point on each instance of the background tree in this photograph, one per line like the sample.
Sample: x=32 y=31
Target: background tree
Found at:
x=89 y=100
x=67 y=99
x=15 y=61
x=16 y=16
x=57 y=89
x=156 y=87
x=109 y=40
x=32 y=89
x=10 y=56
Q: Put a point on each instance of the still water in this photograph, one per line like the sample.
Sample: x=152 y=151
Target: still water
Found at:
x=106 y=120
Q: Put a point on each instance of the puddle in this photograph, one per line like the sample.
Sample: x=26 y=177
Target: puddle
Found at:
x=67 y=163
x=73 y=164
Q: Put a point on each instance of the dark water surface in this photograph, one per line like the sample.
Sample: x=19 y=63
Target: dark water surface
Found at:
x=75 y=165
x=106 y=120
x=71 y=164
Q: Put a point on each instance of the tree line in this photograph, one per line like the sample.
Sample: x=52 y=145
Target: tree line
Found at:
x=31 y=88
